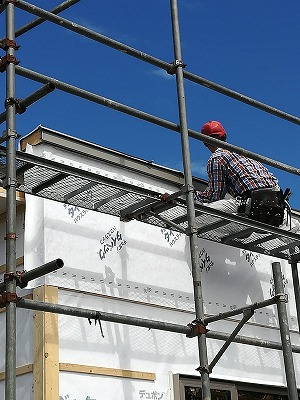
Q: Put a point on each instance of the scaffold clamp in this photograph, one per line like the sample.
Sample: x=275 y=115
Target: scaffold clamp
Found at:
x=191 y=230
x=248 y=312
x=187 y=189
x=7 y=59
x=10 y=236
x=11 y=101
x=9 y=133
x=190 y=188
x=6 y=43
x=7 y=183
x=197 y=328
x=203 y=369
x=10 y=276
x=175 y=65
x=8 y=297
x=282 y=298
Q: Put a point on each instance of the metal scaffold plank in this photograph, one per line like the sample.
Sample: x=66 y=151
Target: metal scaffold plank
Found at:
x=75 y=186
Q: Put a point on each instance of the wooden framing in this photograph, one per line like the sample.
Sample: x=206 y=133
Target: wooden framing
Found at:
x=45 y=347
x=89 y=369
x=122 y=373
x=24 y=369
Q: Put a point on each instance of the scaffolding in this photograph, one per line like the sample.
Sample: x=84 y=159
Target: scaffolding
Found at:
x=66 y=184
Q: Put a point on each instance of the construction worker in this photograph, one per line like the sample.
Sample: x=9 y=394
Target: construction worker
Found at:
x=254 y=190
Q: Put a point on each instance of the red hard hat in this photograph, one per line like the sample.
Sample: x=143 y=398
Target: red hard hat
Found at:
x=214 y=129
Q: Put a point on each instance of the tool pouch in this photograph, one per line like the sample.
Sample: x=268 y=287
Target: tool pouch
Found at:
x=267 y=206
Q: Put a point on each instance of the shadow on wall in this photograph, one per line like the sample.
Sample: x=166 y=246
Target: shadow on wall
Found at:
x=143 y=349
x=233 y=278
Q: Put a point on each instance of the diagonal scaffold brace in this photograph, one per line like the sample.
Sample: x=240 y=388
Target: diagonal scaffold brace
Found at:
x=199 y=327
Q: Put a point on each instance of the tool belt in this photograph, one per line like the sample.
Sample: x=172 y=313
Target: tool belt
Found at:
x=264 y=205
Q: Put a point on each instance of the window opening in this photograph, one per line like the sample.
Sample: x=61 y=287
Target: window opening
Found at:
x=195 y=393
x=249 y=395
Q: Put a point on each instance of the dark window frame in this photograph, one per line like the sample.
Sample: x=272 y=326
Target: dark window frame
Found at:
x=232 y=386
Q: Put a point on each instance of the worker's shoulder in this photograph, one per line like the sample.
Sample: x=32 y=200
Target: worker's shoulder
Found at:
x=222 y=153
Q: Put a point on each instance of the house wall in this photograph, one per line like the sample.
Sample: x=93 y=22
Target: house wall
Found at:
x=146 y=273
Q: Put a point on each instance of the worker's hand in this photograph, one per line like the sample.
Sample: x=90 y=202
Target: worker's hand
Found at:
x=164 y=197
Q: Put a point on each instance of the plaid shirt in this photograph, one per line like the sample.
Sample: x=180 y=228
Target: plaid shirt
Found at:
x=233 y=173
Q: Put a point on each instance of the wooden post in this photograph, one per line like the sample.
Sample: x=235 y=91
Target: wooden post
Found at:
x=46 y=349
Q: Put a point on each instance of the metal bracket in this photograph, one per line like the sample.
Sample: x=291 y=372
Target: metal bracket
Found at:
x=149 y=205
x=137 y=210
x=248 y=312
x=175 y=65
x=190 y=188
x=197 y=328
x=191 y=230
x=17 y=102
x=9 y=133
x=10 y=276
x=10 y=236
x=282 y=298
x=187 y=189
x=8 y=297
x=203 y=368
x=170 y=197
x=7 y=59
x=6 y=43
x=8 y=182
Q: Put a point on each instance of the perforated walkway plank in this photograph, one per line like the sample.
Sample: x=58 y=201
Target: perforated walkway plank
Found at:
x=56 y=181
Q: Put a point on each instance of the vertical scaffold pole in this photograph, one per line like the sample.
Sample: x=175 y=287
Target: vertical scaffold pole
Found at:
x=10 y=185
x=196 y=272
x=284 y=332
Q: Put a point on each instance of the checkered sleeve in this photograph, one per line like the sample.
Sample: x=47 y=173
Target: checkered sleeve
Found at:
x=216 y=189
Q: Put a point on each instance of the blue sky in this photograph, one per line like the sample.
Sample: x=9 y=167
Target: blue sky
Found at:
x=248 y=46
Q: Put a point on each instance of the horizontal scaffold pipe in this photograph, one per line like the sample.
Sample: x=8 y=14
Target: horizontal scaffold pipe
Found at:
x=65 y=87
x=141 y=322
x=31 y=99
x=102 y=316
x=56 y=10
x=241 y=97
x=151 y=60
